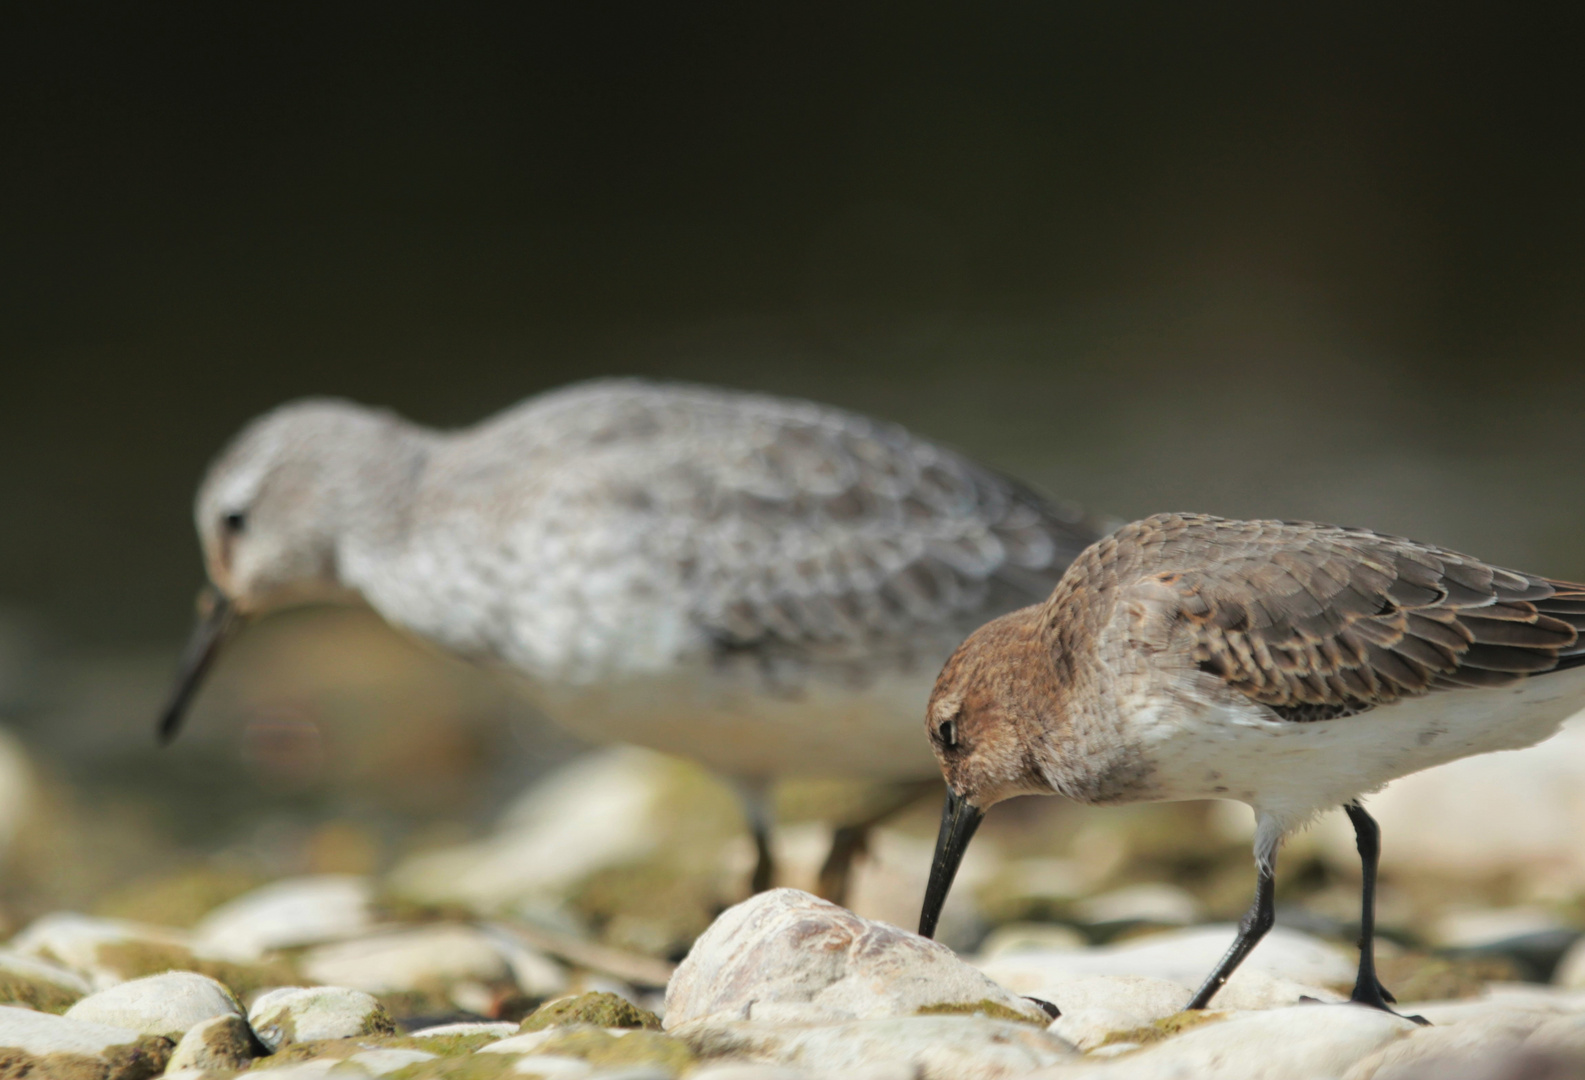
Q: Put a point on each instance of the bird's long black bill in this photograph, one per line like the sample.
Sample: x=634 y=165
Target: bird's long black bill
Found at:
x=216 y=619
x=959 y=820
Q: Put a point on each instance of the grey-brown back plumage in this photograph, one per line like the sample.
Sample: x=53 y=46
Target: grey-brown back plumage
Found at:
x=1317 y=621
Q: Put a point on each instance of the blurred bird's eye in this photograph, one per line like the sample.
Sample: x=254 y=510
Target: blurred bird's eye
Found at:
x=947 y=732
x=234 y=522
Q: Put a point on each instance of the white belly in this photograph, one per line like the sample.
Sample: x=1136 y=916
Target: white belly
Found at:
x=1290 y=770
x=738 y=727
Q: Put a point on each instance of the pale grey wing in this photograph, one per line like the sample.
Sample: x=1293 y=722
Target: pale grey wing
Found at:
x=1317 y=621
x=816 y=535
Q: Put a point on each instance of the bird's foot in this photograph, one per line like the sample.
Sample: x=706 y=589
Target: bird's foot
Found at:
x=1375 y=995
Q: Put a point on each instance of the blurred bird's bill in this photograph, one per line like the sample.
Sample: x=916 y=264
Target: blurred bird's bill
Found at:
x=217 y=619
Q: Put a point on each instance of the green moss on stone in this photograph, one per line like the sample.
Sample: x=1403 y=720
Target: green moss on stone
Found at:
x=39 y=994
x=1165 y=1028
x=473 y=1067
x=601 y=1010
x=138 y=1060
x=993 y=1010
x=447 y=1046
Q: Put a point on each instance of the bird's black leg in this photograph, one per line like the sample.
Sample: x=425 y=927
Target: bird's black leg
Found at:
x=1367 y=987
x=1256 y=921
x=755 y=797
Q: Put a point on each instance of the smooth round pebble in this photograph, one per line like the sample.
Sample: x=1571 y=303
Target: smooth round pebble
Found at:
x=307 y=1013
x=167 y=1004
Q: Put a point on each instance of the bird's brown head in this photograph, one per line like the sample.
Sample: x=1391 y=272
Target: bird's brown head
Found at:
x=984 y=719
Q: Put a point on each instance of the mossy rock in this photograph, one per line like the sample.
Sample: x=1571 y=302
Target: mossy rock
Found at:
x=1165 y=1028
x=41 y=995
x=473 y=1067
x=135 y=959
x=991 y=1010
x=131 y=1061
x=601 y=1010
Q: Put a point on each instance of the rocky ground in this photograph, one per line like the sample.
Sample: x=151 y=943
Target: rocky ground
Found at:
x=592 y=933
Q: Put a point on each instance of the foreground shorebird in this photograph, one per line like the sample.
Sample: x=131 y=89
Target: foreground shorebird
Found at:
x=1291 y=666
x=763 y=585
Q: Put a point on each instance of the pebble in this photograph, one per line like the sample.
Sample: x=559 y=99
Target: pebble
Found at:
x=287 y=914
x=790 y=956
x=408 y=959
x=218 y=1044
x=77 y=941
x=934 y=1047
x=38 y=984
x=38 y=1044
x=165 y=1004
x=388 y=1059
x=308 y=1013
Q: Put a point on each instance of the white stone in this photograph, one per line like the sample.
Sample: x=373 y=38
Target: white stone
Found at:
x=384 y=1060
x=498 y=1029
x=1495 y=1033
x=798 y=958
x=407 y=959
x=1520 y=812
x=936 y=1047
x=42 y=1033
x=306 y=1013
x=219 y=1044
x=594 y=812
x=1185 y=957
x=185 y=1074
x=1156 y=903
x=287 y=914
x=552 y=1067
x=1096 y=1006
x=165 y=1004
x=316 y=1070
x=526 y=1043
x=35 y=969
x=75 y=940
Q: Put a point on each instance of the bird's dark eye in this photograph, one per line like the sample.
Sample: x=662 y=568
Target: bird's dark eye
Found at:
x=948 y=734
x=234 y=522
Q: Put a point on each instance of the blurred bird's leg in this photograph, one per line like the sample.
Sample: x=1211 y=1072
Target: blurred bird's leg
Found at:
x=755 y=795
x=852 y=840
x=1367 y=838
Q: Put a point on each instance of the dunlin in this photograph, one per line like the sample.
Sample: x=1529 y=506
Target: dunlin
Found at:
x=766 y=586
x=1291 y=666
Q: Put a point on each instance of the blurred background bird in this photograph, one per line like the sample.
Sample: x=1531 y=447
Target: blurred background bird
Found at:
x=765 y=586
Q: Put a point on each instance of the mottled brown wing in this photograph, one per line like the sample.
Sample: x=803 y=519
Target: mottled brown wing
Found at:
x=1317 y=621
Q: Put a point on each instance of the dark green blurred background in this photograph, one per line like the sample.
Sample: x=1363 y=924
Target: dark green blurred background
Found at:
x=1265 y=261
